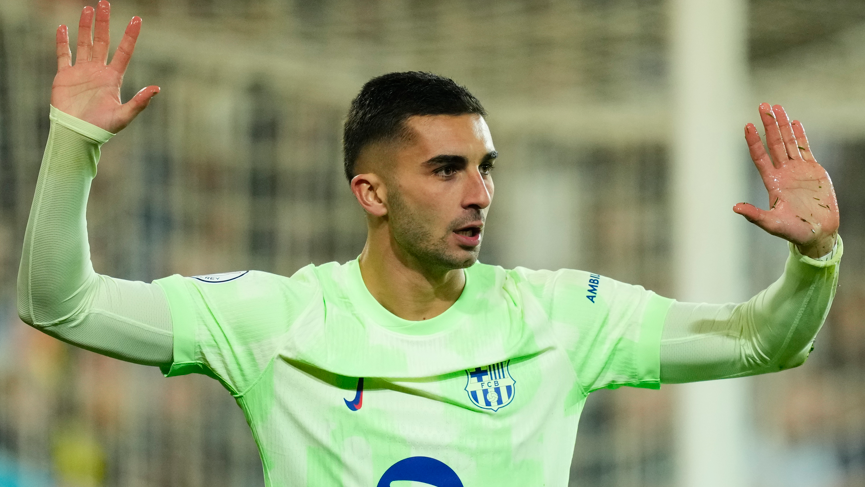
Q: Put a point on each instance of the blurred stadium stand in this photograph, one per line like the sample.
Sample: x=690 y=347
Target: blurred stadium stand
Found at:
x=237 y=164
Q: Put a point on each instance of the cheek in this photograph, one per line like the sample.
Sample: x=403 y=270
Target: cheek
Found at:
x=431 y=200
x=419 y=209
x=437 y=213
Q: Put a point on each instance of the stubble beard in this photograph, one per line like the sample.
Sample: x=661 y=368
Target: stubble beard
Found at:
x=416 y=240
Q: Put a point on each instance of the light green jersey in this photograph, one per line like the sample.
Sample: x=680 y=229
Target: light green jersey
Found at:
x=340 y=392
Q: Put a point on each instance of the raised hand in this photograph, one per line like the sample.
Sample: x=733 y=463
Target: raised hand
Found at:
x=802 y=204
x=90 y=90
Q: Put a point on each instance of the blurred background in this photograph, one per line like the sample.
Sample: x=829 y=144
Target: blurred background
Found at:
x=237 y=165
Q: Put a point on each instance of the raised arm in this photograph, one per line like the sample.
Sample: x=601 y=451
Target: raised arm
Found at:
x=58 y=291
x=775 y=329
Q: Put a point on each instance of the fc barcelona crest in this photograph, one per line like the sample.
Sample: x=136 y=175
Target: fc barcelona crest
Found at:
x=490 y=387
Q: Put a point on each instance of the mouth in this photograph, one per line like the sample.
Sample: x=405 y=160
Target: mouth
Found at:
x=469 y=235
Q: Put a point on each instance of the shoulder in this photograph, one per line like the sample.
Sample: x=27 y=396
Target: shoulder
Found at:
x=532 y=278
x=251 y=284
x=568 y=287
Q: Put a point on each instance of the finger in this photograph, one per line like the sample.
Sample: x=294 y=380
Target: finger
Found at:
x=773 y=135
x=139 y=102
x=100 y=34
x=755 y=215
x=802 y=141
x=786 y=132
x=85 y=45
x=127 y=46
x=64 y=55
x=758 y=152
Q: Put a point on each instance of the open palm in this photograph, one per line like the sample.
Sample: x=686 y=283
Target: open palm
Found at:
x=90 y=90
x=802 y=204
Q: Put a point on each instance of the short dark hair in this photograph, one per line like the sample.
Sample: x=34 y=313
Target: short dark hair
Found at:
x=384 y=103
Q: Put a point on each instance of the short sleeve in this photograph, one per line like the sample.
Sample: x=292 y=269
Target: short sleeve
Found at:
x=610 y=330
x=230 y=326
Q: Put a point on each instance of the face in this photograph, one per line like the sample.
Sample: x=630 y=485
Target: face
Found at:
x=439 y=189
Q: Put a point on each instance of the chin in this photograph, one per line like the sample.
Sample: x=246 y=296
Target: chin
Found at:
x=447 y=257
x=467 y=259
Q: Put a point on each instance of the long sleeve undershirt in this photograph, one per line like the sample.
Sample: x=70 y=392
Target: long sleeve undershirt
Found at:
x=58 y=291
x=60 y=294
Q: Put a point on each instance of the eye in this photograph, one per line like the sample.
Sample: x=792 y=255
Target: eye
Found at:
x=446 y=171
x=487 y=167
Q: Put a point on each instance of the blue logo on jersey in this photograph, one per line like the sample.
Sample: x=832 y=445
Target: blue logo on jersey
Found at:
x=491 y=387
x=357 y=403
x=594 y=282
x=421 y=469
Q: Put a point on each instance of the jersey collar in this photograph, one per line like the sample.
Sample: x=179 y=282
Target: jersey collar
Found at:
x=367 y=305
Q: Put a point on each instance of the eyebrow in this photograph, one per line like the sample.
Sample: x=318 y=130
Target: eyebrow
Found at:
x=453 y=159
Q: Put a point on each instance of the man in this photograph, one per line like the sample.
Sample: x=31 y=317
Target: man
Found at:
x=413 y=362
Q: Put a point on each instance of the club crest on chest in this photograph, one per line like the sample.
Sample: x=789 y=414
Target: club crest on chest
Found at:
x=491 y=387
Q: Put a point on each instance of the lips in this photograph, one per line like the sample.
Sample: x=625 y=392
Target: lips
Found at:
x=469 y=235
x=469 y=232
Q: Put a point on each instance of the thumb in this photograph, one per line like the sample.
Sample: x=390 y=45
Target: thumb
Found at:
x=139 y=102
x=751 y=213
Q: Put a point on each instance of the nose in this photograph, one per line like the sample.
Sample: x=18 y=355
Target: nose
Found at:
x=478 y=191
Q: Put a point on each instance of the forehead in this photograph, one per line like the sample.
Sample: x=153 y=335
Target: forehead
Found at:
x=431 y=135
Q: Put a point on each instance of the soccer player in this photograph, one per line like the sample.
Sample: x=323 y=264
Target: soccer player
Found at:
x=413 y=362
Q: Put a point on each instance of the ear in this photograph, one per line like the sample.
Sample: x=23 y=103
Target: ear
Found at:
x=371 y=193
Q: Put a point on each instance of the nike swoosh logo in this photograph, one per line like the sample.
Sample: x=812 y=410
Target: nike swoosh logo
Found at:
x=357 y=403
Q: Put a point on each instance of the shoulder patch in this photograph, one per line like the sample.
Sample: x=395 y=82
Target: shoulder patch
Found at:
x=223 y=277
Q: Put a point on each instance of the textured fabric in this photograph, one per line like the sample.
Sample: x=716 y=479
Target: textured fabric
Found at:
x=58 y=291
x=772 y=331
x=492 y=388
x=338 y=391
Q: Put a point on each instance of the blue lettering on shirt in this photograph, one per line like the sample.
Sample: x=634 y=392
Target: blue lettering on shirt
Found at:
x=594 y=282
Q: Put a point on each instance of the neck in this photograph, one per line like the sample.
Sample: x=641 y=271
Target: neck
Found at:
x=404 y=286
